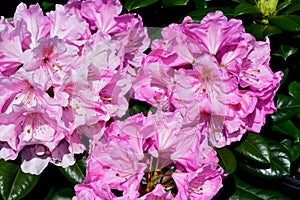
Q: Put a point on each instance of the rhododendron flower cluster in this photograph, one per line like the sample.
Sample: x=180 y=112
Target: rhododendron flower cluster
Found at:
x=71 y=72
x=62 y=73
x=214 y=73
x=160 y=157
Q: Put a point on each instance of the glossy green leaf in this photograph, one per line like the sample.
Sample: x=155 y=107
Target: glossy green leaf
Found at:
x=136 y=4
x=245 y=191
x=254 y=147
x=226 y=160
x=82 y=163
x=270 y=30
x=294 y=7
x=287 y=107
x=286 y=22
x=50 y=194
x=293 y=148
x=262 y=31
x=73 y=173
x=14 y=184
x=169 y=3
x=286 y=73
x=279 y=166
x=285 y=51
x=200 y=4
x=294 y=90
x=246 y=8
x=64 y=194
x=283 y=5
x=288 y=128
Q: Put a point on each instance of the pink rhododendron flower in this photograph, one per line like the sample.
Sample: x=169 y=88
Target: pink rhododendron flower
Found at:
x=154 y=148
x=10 y=50
x=218 y=72
x=76 y=76
x=31 y=24
x=157 y=193
x=50 y=62
x=104 y=18
x=66 y=77
x=63 y=26
x=154 y=84
x=198 y=186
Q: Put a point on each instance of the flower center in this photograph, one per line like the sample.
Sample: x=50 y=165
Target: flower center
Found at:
x=159 y=171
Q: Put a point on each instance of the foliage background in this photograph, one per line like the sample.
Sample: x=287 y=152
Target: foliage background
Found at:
x=260 y=164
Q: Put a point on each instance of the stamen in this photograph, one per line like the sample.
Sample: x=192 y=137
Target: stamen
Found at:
x=91 y=73
x=165 y=163
x=106 y=98
x=24 y=101
x=160 y=100
x=30 y=123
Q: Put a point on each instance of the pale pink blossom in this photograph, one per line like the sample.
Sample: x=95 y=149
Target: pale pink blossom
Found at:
x=218 y=71
x=10 y=50
x=154 y=148
x=31 y=24
x=154 y=84
x=202 y=184
x=157 y=193
x=50 y=63
x=71 y=28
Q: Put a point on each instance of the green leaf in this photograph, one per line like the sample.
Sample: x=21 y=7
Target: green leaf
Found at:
x=45 y=5
x=73 y=173
x=200 y=4
x=262 y=31
x=169 y=3
x=286 y=22
x=279 y=166
x=136 y=107
x=14 y=184
x=294 y=90
x=50 y=194
x=286 y=73
x=270 y=30
x=283 y=5
x=227 y=160
x=198 y=15
x=288 y=128
x=285 y=51
x=254 y=147
x=246 y=8
x=64 y=194
x=293 y=148
x=135 y=4
x=287 y=107
x=245 y=191
x=294 y=7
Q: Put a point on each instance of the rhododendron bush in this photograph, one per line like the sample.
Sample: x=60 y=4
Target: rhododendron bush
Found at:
x=72 y=77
